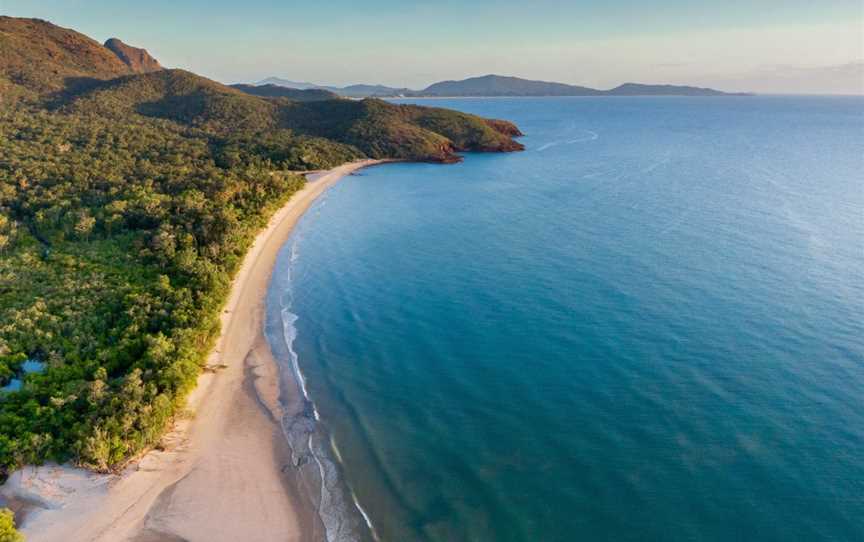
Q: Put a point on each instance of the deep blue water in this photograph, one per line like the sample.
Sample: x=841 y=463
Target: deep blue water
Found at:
x=648 y=326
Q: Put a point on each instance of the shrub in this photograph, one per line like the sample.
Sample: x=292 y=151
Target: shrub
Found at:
x=8 y=532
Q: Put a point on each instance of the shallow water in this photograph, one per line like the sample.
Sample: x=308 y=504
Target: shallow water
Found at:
x=648 y=326
x=17 y=382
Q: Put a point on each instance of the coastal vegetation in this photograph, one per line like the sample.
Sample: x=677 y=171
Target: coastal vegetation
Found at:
x=128 y=198
x=8 y=532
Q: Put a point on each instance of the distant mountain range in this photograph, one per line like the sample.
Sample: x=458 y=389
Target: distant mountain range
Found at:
x=351 y=91
x=498 y=85
x=293 y=93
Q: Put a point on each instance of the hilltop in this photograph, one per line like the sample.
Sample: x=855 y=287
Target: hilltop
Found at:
x=37 y=57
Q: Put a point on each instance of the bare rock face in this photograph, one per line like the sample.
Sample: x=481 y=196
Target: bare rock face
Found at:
x=138 y=60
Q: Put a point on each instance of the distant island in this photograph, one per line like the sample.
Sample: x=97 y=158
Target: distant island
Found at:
x=498 y=86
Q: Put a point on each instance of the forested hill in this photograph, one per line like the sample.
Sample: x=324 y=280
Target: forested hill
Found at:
x=276 y=91
x=128 y=196
x=374 y=128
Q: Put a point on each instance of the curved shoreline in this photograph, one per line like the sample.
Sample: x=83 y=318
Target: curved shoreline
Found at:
x=225 y=472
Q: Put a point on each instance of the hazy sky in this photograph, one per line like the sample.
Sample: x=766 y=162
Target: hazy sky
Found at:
x=814 y=46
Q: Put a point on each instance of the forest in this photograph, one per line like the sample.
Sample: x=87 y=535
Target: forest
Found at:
x=117 y=245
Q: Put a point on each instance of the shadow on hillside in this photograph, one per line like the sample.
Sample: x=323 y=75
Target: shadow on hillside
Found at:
x=72 y=87
x=178 y=108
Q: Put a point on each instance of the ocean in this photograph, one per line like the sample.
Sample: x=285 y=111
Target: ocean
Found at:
x=647 y=326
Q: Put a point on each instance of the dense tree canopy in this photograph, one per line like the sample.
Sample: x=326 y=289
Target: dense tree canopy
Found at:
x=118 y=241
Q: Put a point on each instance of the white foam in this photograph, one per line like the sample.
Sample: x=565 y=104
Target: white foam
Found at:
x=295 y=252
x=332 y=508
x=590 y=136
x=289 y=331
x=365 y=517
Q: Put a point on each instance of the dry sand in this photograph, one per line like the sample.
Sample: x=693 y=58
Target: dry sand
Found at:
x=225 y=473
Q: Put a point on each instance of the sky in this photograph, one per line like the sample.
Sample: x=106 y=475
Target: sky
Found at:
x=766 y=46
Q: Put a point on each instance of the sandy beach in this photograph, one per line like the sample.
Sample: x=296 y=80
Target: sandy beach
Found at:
x=224 y=472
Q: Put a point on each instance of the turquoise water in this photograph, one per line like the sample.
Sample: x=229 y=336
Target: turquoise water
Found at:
x=648 y=326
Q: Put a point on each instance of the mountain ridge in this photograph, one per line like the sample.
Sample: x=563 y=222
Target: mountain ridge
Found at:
x=277 y=91
x=349 y=91
x=39 y=58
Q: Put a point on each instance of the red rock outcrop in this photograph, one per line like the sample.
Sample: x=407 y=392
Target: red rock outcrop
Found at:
x=138 y=60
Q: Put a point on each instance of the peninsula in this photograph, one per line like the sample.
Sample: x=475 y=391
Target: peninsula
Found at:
x=132 y=203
